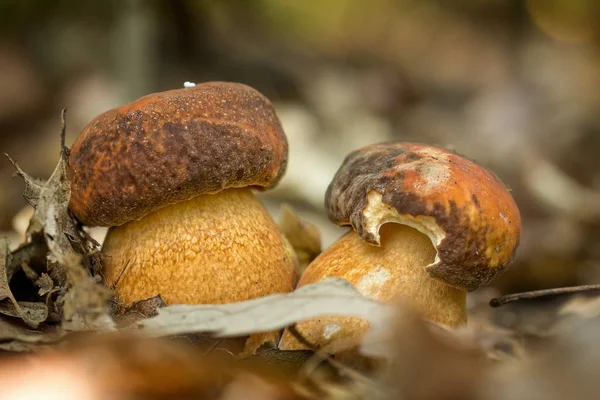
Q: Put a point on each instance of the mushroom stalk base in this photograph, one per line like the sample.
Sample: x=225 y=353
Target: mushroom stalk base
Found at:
x=393 y=272
x=212 y=249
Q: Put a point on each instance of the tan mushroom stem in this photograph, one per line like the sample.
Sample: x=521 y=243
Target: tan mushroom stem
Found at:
x=394 y=270
x=212 y=249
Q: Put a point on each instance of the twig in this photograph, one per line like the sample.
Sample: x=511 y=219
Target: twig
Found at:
x=114 y=285
x=509 y=298
x=63 y=134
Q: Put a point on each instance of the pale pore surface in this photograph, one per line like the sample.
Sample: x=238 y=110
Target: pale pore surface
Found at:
x=213 y=249
x=390 y=272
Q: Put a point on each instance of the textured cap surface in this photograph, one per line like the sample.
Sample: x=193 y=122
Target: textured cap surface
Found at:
x=171 y=146
x=465 y=210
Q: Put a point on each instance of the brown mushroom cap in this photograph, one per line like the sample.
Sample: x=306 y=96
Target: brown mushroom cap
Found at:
x=172 y=146
x=466 y=210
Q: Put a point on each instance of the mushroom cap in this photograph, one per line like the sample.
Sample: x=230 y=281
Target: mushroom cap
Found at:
x=171 y=146
x=467 y=212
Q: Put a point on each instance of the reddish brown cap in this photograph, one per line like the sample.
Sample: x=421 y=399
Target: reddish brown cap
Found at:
x=171 y=146
x=466 y=210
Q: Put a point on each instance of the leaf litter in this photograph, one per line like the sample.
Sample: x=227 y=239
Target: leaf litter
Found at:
x=50 y=289
x=57 y=256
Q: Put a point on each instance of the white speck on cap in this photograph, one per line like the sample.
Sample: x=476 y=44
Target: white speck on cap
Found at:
x=188 y=84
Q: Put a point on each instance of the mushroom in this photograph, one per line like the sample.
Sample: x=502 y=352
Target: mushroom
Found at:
x=427 y=227
x=172 y=174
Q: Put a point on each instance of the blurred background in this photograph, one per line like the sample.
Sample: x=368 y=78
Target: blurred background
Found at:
x=513 y=84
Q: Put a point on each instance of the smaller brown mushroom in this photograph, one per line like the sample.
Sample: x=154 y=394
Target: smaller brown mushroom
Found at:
x=427 y=226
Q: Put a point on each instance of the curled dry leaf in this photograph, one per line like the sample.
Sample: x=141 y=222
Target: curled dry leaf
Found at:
x=72 y=253
x=304 y=236
x=331 y=296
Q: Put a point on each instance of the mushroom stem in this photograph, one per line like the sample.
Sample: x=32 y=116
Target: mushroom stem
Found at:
x=212 y=249
x=396 y=270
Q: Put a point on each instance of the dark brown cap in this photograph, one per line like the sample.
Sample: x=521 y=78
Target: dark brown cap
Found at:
x=171 y=146
x=466 y=210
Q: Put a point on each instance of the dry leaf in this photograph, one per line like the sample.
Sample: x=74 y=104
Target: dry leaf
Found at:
x=33 y=313
x=139 y=310
x=16 y=335
x=51 y=214
x=45 y=283
x=304 y=236
x=331 y=296
x=33 y=186
x=72 y=253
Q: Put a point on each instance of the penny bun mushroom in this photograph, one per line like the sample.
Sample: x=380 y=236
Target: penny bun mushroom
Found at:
x=171 y=173
x=427 y=226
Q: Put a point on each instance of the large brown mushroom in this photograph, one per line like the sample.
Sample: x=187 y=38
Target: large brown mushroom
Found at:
x=171 y=173
x=427 y=226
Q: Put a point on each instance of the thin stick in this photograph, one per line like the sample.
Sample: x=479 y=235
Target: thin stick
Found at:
x=509 y=298
x=64 y=150
x=114 y=285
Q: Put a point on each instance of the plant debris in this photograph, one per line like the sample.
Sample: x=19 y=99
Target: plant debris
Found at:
x=139 y=310
x=54 y=305
x=59 y=259
x=45 y=284
x=535 y=294
x=331 y=296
